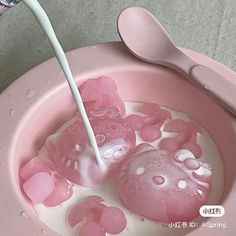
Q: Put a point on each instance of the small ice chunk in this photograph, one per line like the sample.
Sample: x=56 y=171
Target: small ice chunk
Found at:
x=62 y=192
x=135 y=121
x=92 y=229
x=150 y=133
x=39 y=187
x=113 y=220
x=33 y=166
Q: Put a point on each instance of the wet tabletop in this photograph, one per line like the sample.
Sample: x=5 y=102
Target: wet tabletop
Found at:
x=207 y=26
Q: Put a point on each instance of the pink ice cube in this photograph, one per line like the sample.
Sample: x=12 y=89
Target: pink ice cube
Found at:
x=135 y=121
x=92 y=229
x=74 y=158
x=39 y=187
x=62 y=192
x=163 y=186
x=153 y=121
x=113 y=220
x=185 y=136
x=37 y=170
x=101 y=218
x=150 y=133
x=33 y=166
x=149 y=108
x=83 y=209
x=101 y=93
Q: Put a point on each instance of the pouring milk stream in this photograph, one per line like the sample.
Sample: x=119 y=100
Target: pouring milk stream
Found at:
x=45 y=23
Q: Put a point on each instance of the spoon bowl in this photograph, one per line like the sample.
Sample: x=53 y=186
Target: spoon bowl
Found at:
x=146 y=39
x=144 y=35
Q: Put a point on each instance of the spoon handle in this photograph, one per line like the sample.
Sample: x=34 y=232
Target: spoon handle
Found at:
x=223 y=89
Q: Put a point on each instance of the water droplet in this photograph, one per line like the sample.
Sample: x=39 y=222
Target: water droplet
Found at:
x=3 y=147
x=140 y=171
x=100 y=138
x=49 y=81
x=30 y=93
x=43 y=231
x=12 y=112
x=24 y=214
x=158 y=180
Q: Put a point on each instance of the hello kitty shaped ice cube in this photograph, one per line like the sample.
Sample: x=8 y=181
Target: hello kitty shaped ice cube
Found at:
x=74 y=158
x=164 y=186
x=71 y=151
x=101 y=93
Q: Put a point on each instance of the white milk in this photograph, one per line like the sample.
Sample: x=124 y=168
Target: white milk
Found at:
x=44 y=22
x=56 y=217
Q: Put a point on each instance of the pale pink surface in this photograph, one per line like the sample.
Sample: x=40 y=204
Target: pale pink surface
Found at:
x=82 y=210
x=186 y=137
x=62 y=192
x=150 y=124
x=101 y=93
x=150 y=133
x=150 y=108
x=135 y=121
x=39 y=187
x=33 y=166
x=76 y=161
x=92 y=229
x=143 y=147
x=138 y=81
x=101 y=218
x=154 y=185
x=113 y=220
x=155 y=111
x=154 y=119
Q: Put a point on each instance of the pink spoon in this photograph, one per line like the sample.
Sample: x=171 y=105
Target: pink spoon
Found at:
x=146 y=39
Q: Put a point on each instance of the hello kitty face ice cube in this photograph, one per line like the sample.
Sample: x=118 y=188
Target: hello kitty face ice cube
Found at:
x=164 y=186
x=74 y=158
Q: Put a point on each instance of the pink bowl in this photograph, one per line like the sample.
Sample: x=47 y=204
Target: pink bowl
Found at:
x=37 y=104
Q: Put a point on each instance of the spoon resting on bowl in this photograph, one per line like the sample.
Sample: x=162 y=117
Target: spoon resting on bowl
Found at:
x=146 y=39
